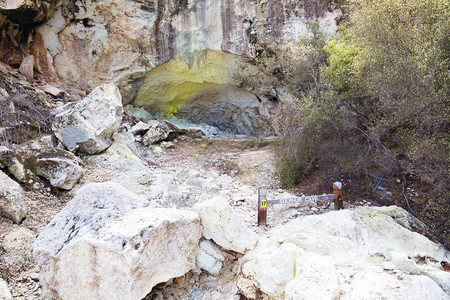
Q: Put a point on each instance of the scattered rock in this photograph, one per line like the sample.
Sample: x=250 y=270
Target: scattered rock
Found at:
x=61 y=168
x=5 y=294
x=19 y=244
x=225 y=227
x=27 y=66
x=9 y=159
x=140 y=128
x=209 y=257
x=87 y=125
x=53 y=91
x=12 y=199
x=160 y=131
x=122 y=246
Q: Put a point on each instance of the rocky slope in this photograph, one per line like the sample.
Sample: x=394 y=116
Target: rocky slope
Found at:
x=107 y=201
x=177 y=220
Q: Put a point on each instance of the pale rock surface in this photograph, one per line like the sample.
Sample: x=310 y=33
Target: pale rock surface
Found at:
x=12 y=199
x=376 y=284
x=140 y=128
x=225 y=227
x=209 y=257
x=61 y=168
x=87 y=125
x=5 y=294
x=19 y=244
x=27 y=66
x=368 y=253
x=122 y=246
x=9 y=159
x=160 y=131
x=51 y=90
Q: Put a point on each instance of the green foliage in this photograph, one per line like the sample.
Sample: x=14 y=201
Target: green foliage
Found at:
x=375 y=103
x=340 y=70
x=295 y=160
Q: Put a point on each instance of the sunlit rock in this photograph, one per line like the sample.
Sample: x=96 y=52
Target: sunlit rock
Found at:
x=61 y=168
x=107 y=243
x=12 y=199
x=87 y=125
x=225 y=227
x=367 y=253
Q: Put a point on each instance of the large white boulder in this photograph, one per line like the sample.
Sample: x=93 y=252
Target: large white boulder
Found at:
x=5 y=294
x=61 y=168
x=109 y=244
x=225 y=227
x=368 y=253
x=87 y=125
x=12 y=199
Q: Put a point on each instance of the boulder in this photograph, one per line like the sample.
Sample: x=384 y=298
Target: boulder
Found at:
x=225 y=227
x=19 y=244
x=160 y=131
x=368 y=253
x=5 y=294
x=12 y=199
x=87 y=125
x=27 y=67
x=140 y=128
x=209 y=257
x=9 y=159
x=122 y=246
x=61 y=168
x=53 y=91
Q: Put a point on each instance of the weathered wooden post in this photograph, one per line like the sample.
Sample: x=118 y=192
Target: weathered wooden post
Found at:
x=338 y=201
x=262 y=206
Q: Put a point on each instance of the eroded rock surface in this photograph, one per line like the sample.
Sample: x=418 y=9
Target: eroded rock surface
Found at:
x=9 y=159
x=61 y=168
x=87 y=125
x=121 y=244
x=12 y=199
x=367 y=253
x=5 y=294
x=225 y=227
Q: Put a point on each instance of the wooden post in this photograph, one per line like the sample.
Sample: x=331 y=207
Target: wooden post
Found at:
x=262 y=206
x=338 y=201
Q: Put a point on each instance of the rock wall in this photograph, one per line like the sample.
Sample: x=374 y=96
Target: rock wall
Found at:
x=132 y=43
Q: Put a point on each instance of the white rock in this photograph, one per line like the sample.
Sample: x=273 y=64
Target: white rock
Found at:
x=160 y=131
x=348 y=253
x=224 y=226
x=5 y=294
x=60 y=167
x=122 y=247
x=87 y=125
x=8 y=158
x=209 y=257
x=140 y=128
x=12 y=199
x=51 y=90
x=375 y=285
x=19 y=244
x=316 y=278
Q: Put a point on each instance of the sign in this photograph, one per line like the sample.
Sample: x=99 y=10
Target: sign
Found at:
x=263 y=203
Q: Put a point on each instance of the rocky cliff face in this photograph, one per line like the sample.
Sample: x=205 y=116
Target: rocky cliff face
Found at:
x=199 y=45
